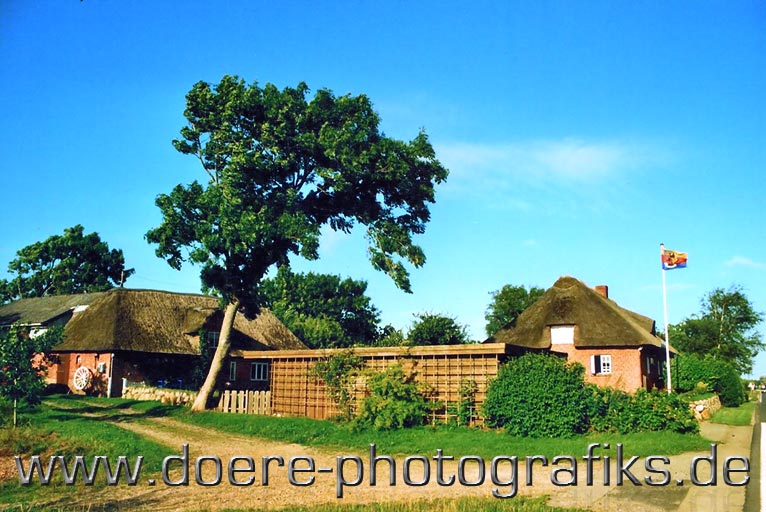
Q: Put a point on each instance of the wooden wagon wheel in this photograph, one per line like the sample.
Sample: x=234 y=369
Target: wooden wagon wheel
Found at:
x=82 y=377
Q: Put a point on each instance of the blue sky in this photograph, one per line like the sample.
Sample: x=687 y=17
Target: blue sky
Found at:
x=579 y=135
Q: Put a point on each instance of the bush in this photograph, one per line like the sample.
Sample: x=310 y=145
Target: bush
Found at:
x=720 y=376
x=611 y=410
x=538 y=395
x=394 y=401
x=338 y=373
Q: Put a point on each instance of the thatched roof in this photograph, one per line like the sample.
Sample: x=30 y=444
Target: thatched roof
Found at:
x=599 y=321
x=162 y=322
x=43 y=310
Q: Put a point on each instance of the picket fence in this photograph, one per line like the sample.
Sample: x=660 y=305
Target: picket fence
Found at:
x=245 y=402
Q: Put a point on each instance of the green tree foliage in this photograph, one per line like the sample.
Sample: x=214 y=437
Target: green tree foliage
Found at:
x=615 y=411
x=716 y=375
x=394 y=400
x=433 y=329
x=724 y=329
x=23 y=364
x=538 y=395
x=279 y=167
x=323 y=310
x=507 y=304
x=70 y=263
x=390 y=336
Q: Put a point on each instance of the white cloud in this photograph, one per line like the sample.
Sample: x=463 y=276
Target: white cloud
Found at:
x=572 y=160
x=570 y=171
x=742 y=261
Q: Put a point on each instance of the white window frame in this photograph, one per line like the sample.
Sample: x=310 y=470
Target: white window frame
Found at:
x=601 y=364
x=232 y=370
x=259 y=372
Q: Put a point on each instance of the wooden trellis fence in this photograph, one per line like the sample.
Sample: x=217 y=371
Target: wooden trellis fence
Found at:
x=294 y=392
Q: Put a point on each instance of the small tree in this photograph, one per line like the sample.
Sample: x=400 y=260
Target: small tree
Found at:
x=23 y=365
x=433 y=329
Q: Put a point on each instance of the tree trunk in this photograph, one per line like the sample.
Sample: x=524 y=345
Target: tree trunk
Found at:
x=221 y=351
x=15 y=402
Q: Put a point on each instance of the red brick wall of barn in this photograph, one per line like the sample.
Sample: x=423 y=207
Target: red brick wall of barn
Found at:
x=65 y=364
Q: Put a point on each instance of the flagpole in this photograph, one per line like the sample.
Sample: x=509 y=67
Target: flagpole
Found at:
x=665 y=310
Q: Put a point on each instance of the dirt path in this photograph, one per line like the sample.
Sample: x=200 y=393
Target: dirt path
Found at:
x=280 y=492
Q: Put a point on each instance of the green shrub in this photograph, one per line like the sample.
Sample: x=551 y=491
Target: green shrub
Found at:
x=466 y=407
x=394 y=401
x=538 y=395
x=611 y=410
x=338 y=373
x=720 y=376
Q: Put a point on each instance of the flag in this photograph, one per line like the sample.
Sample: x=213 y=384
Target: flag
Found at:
x=673 y=259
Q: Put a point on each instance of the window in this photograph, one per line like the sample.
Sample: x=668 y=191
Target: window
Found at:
x=601 y=364
x=233 y=370
x=211 y=338
x=562 y=335
x=259 y=371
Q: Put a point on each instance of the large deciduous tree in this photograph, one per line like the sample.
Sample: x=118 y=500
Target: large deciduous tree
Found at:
x=323 y=310
x=507 y=304
x=70 y=263
x=280 y=166
x=724 y=329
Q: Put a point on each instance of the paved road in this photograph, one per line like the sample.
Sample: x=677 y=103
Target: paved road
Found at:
x=756 y=490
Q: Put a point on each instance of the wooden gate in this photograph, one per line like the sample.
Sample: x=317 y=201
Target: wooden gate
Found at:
x=246 y=402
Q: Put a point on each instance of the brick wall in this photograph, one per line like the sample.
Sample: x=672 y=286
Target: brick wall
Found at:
x=627 y=370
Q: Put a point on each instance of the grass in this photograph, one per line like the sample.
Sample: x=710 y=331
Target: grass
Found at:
x=693 y=396
x=455 y=441
x=51 y=429
x=737 y=416
x=519 y=504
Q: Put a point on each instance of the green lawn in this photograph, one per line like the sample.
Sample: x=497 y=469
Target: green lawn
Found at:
x=735 y=415
x=51 y=429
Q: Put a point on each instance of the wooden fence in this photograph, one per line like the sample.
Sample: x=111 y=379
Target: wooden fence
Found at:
x=245 y=402
x=442 y=369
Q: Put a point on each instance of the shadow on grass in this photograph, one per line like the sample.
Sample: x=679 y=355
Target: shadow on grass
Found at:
x=63 y=407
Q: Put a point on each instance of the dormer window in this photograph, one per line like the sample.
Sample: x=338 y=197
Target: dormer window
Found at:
x=562 y=335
